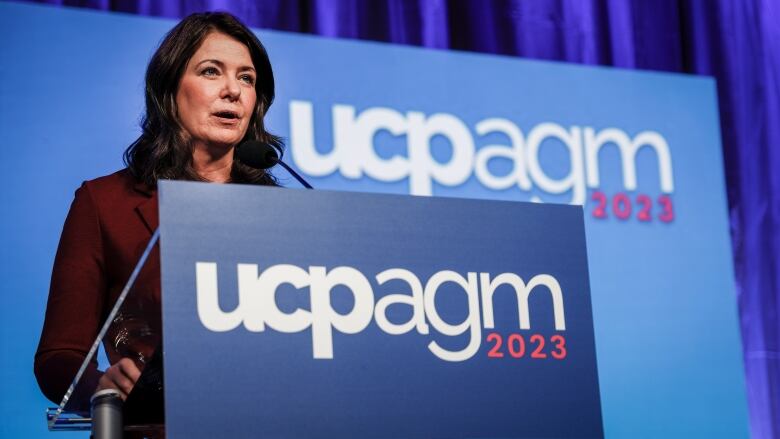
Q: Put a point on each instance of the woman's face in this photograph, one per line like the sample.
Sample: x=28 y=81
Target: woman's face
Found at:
x=216 y=96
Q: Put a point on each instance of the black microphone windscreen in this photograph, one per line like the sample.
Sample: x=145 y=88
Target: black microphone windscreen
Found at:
x=257 y=154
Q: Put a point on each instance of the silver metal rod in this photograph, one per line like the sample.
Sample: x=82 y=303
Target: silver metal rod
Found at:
x=106 y=407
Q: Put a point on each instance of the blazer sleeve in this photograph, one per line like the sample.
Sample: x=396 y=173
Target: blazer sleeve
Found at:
x=75 y=307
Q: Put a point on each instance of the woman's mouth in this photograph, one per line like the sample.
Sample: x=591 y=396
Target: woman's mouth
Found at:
x=227 y=117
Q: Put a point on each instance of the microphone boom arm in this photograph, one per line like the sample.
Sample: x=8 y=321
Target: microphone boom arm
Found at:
x=294 y=174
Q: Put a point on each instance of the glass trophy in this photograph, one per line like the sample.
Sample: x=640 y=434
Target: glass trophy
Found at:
x=131 y=330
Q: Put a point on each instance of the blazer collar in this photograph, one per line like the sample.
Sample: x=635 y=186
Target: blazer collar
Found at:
x=147 y=208
x=144 y=188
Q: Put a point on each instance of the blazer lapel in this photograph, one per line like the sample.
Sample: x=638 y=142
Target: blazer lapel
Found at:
x=147 y=209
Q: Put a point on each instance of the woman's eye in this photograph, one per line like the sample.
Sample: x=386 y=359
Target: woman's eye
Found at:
x=209 y=71
x=249 y=79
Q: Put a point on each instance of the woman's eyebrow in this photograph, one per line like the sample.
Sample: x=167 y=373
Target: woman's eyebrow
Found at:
x=221 y=64
x=215 y=61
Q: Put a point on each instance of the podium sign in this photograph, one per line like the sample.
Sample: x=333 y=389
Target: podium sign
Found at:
x=314 y=314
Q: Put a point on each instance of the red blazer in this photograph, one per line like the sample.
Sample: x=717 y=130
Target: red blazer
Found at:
x=108 y=226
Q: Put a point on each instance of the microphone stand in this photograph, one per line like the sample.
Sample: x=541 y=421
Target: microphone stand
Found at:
x=294 y=174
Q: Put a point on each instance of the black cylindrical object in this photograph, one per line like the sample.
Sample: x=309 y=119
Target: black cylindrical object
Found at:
x=107 y=414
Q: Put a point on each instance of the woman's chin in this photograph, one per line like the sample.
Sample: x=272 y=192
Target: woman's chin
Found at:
x=219 y=144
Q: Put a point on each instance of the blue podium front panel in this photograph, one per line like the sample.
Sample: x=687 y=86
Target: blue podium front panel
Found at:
x=291 y=313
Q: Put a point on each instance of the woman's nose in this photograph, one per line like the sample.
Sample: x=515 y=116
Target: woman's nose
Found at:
x=231 y=89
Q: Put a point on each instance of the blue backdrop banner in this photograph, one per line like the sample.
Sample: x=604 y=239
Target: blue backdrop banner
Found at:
x=641 y=152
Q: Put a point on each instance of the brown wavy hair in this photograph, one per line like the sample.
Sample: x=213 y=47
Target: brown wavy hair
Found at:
x=162 y=151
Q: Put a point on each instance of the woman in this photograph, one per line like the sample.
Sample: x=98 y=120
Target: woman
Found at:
x=208 y=87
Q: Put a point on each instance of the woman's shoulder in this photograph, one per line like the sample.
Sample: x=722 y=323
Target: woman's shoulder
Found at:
x=121 y=182
x=113 y=190
x=120 y=178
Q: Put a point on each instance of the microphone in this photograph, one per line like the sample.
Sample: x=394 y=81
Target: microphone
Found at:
x=261 y=155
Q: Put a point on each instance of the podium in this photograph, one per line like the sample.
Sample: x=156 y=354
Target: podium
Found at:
x=316 y=314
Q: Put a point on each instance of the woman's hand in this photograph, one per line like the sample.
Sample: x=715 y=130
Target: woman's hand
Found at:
x=121 y=376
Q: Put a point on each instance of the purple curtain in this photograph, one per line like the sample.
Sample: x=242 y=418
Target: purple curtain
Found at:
x=736 y=41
